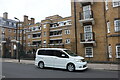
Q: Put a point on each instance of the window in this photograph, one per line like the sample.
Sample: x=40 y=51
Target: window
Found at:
x=41 y=52
x=116 y=3
x=9 y=30
x=67 y=41
x=108 y=27
x=14 y=24
x=67 y=31
x=14 y=31
x=44 y=41
x=110 y=51
x=89 y=52
x=68 y=23
x=118 y=51
x=88 y=32
x=39 y=27
x=34 y=28
x=44 y=26
x=44 y=33
x=20 y=25
x=117 y=25
x=59 y=54
x=87 y=12
x=70 y=53
x=7 y=23
x=3 y=29
x=29 y=36
x=61 y=24
x=14 y=37
x=106 y=4
x=45 y=52
x=20 y=31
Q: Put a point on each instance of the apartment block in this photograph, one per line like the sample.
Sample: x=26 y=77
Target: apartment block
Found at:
x=96 y=30
x=112 y=17
x=7 y=35
x=53 y=31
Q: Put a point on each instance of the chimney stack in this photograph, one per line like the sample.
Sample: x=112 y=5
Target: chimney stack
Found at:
x=26 y=20
x=5 y=15
x=32 y=21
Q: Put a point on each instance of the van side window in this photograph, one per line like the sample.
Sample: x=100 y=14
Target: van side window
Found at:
x=45 y=52
x=49 y=52
x=41 y=52
x=59 y=54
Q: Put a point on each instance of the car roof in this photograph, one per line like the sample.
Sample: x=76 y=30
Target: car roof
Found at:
x=52 y=49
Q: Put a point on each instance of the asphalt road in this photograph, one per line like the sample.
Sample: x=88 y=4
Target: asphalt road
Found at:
x=14 y=70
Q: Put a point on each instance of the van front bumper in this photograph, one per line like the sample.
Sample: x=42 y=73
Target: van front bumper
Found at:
x=81 y=66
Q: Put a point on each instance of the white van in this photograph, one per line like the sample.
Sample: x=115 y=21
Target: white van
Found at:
x=59 y=58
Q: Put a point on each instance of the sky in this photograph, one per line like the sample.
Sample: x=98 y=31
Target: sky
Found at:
x=38 y=9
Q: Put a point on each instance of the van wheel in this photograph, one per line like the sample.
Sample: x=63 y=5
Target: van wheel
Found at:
x=41 y=65
x=70 y=67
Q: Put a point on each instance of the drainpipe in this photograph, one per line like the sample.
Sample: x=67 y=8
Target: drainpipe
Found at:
x=75 y=26
x=106 y=40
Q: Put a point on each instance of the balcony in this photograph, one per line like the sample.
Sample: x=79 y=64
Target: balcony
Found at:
x=87 y=38
x=86 y=17
x=55 y=33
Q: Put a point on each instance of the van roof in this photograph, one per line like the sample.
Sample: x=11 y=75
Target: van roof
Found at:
x=52 y=49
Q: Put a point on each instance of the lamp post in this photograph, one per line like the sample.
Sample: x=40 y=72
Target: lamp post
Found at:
x=18 y=49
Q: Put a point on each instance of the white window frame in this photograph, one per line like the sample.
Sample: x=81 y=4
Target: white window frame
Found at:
x=44 y=42
x=67 y=41
x=108 y=27
x=117 y=56
x=86 y=52
x=106 y=4
x=86 y=12
x=86 y=32
x=44 y=34
x=117 y=27
x=29 y=36
x=44 y=26
x=110 y=51
x=67 y=31
x=116 y=1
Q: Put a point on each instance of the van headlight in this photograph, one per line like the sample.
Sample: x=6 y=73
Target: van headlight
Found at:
x=78 y=60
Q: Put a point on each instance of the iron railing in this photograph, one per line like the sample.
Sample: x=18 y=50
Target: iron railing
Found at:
x=86 y=15
x=89 y=36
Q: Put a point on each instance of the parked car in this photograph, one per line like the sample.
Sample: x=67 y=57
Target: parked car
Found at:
x=59 y=58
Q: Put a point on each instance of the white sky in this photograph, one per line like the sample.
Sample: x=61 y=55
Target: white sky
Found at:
x=38 y=9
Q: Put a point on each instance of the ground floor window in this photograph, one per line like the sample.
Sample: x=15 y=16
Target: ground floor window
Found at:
x=89 y=52
x=110 y=51
x=117 y=51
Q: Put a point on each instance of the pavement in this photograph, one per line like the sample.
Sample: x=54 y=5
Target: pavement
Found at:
x=115 y=67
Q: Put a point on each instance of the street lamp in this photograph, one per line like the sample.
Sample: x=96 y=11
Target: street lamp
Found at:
x=18 y=49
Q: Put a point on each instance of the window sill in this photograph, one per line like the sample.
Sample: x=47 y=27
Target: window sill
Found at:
x=116 y=6
x=89 y=56
x=118 y=57
x=117 y=31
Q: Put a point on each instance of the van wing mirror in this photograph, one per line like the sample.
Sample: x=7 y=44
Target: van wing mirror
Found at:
x=63 y=55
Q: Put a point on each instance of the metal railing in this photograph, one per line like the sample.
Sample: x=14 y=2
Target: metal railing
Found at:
x=86 y=15
x=89 y=36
